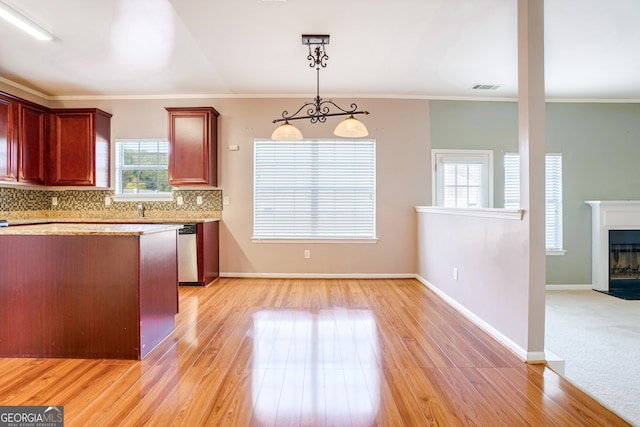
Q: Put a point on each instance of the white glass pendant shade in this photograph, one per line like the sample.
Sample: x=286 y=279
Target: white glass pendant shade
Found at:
x=351 y=128
x=286 y=132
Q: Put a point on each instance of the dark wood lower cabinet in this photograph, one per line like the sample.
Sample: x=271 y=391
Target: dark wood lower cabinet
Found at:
x=112 y=297
x=208 y=249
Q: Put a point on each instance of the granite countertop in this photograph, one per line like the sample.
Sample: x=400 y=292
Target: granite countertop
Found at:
x=110 y=220
x=61 y=229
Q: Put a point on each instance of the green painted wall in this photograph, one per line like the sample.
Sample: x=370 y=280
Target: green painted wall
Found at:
x=600 y=146
x=473 y=125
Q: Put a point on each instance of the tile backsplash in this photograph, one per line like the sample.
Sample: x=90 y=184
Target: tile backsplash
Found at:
x=13 y=199
x=25 y=202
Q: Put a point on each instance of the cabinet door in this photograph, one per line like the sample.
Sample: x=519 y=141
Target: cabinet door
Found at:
x=72 y=150
x=32 y=136
x=193 y=146
x=8 y=152
x=79 y=147
x=208 y=246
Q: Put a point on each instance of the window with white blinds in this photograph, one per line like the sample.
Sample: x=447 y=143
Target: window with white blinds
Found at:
x=142 y=167
x=462 y=178
x=463 y=185
x=553 y=194
x=314 y=189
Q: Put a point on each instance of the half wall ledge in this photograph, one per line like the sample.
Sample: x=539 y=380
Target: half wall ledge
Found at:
x=512 y=214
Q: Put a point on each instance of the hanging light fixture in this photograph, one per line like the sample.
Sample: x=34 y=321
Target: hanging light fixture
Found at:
x=318 y=110
x=286 y=132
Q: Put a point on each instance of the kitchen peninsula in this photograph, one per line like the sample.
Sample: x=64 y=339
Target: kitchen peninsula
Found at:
x=87 y=290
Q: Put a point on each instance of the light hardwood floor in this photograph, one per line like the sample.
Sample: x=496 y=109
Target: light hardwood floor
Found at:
x=313 y=353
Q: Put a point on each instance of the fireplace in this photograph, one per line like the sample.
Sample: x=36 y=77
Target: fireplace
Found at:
x=615 y=243
x=624 y=254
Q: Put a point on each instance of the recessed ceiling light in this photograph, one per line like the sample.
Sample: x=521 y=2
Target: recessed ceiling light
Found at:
x=485 y=87
x=23 y=23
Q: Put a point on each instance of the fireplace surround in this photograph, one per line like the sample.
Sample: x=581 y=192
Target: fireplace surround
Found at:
x=615 y=243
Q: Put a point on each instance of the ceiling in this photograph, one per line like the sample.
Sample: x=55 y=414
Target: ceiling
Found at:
x=401 y=48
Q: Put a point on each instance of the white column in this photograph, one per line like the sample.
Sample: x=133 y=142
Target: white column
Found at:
x=531 y=125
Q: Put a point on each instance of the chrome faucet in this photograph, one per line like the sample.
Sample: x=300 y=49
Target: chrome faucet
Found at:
x=140 y=210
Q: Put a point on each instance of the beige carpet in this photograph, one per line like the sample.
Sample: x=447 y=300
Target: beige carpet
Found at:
x=599 y=338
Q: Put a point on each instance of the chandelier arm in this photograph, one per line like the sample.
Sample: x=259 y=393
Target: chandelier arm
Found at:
x=286 y=116
x=354 y=107
x=353 y=113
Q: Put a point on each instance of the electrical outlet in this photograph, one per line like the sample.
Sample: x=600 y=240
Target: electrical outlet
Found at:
x=107 y=201
x=199 y=200
x=179 y=200
x=225 y=200
x=54 y=201
x=307 y=253
x=455 y=273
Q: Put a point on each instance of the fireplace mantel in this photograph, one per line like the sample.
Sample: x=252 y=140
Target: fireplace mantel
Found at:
x=608 y=215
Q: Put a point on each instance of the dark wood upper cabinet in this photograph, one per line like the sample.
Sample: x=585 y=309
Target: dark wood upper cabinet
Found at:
x=32 y=137
x=53 y=147
x=193 y=146
x=79 y=147
x=8 y=140
x=23 y=138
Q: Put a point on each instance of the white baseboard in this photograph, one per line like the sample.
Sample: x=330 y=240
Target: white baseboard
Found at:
x=576 y=287
x=519 y=351
x=535 y=357
x=317 y=275
x=556 y=363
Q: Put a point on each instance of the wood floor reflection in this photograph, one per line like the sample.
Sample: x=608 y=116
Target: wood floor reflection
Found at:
x=291 y=352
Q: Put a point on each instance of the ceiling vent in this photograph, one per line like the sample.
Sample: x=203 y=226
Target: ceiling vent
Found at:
x=485 y=87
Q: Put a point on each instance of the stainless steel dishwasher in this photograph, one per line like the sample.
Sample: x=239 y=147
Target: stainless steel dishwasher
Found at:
x=188 y=254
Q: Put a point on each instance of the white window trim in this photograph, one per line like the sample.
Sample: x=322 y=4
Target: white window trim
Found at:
x=557 y=252
x=471 y=154
x=137 y=197
x=312 y=241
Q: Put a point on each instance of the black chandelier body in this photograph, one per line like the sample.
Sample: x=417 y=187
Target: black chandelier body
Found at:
x=318 y=110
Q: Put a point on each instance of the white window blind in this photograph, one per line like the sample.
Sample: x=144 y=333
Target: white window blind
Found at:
x=553 y=194
x=314 y=189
